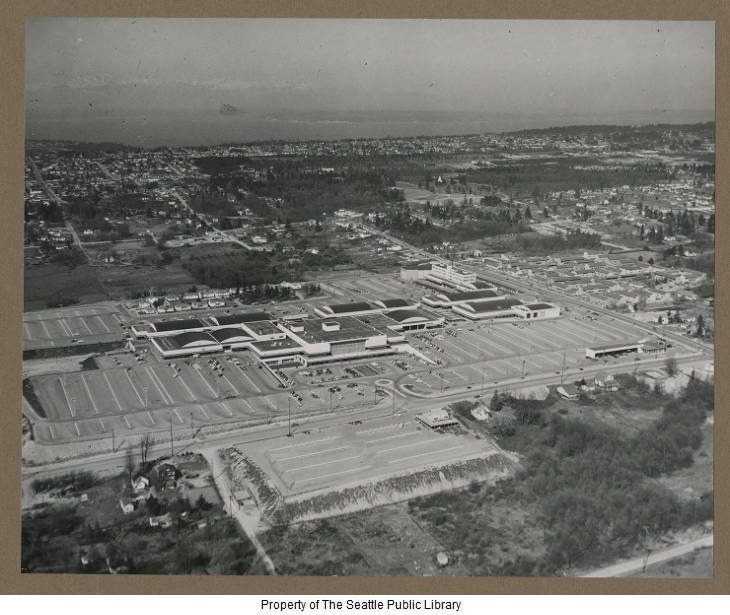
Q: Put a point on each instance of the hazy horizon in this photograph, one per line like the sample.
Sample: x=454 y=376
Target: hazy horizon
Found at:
x=156 y=82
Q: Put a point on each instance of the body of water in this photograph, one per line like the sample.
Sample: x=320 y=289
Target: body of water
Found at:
x=183 y=128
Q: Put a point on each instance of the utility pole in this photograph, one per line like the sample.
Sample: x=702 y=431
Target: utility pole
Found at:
x=172 y=446
x=289 y=434
x=114 y=446
x=192 y=426
x=483 y=369
x=562 y=370
x=523 y=368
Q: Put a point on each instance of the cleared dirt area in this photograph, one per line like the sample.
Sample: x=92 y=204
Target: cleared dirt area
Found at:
x=382 y=541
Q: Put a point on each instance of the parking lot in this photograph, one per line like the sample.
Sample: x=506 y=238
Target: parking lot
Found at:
x=473 y=354
x=357 y=452
x=69 y=326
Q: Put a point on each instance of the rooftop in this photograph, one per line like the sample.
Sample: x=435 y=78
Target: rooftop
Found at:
x=347 y=308
x=241 y=317
x=230 y=333
x=178 y=325
x=185 y=340
x=351 y=328
x=494 y=305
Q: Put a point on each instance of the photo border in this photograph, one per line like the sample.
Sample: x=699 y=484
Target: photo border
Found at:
x=12 y=77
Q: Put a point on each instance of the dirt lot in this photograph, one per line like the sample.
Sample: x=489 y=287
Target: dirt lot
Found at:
x=381 y=541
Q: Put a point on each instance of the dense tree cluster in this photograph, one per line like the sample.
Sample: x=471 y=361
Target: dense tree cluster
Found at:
x=589 y=483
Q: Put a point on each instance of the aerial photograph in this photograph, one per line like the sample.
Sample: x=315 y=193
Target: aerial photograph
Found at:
x=358 y=297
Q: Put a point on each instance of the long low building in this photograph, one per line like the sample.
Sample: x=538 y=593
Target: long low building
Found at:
x=362 y=308
x=449 y=298
x=337 y=336
x=185 y=344
x=507 y=308
x=614 y=350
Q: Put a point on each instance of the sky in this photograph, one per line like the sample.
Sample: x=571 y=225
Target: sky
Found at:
x=342 y=66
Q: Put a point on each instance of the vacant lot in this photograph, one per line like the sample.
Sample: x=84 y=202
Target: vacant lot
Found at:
x=49 y=285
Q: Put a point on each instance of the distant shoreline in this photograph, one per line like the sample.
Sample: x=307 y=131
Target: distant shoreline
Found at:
x=203 y=129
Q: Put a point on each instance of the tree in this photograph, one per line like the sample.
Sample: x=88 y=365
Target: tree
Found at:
x=496 y=403
x=129 y=464
x=671 y=366
x=700 y=325
x=145 y=444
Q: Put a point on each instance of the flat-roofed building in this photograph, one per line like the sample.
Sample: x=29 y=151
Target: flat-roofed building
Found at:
x=448 y=298
x=343 y=337
x=167 y=327
x=355 y=308
x=615 y=349
x=459 y=278
x=415 y=271
x=240 y=318
x=537 y=311
x=436 y=418
x=501 y=308
x=414 y=319
x=231 y=337
x=183 y=344
x=396 y=303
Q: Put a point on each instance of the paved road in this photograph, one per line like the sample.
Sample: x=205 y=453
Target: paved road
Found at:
x=39 y=177
x=637 y=564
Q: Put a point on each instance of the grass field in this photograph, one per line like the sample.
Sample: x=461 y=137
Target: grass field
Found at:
x=49 y=284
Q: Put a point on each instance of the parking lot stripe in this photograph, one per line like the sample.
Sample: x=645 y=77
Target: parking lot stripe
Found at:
x=103 y=324
x=427 y=453
x=65 y=326
x=319 y=452
x=330 y=475
x=88 y=392
x=66 y=397
x=134 y=388
x=43 y=326
x=166 y=397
